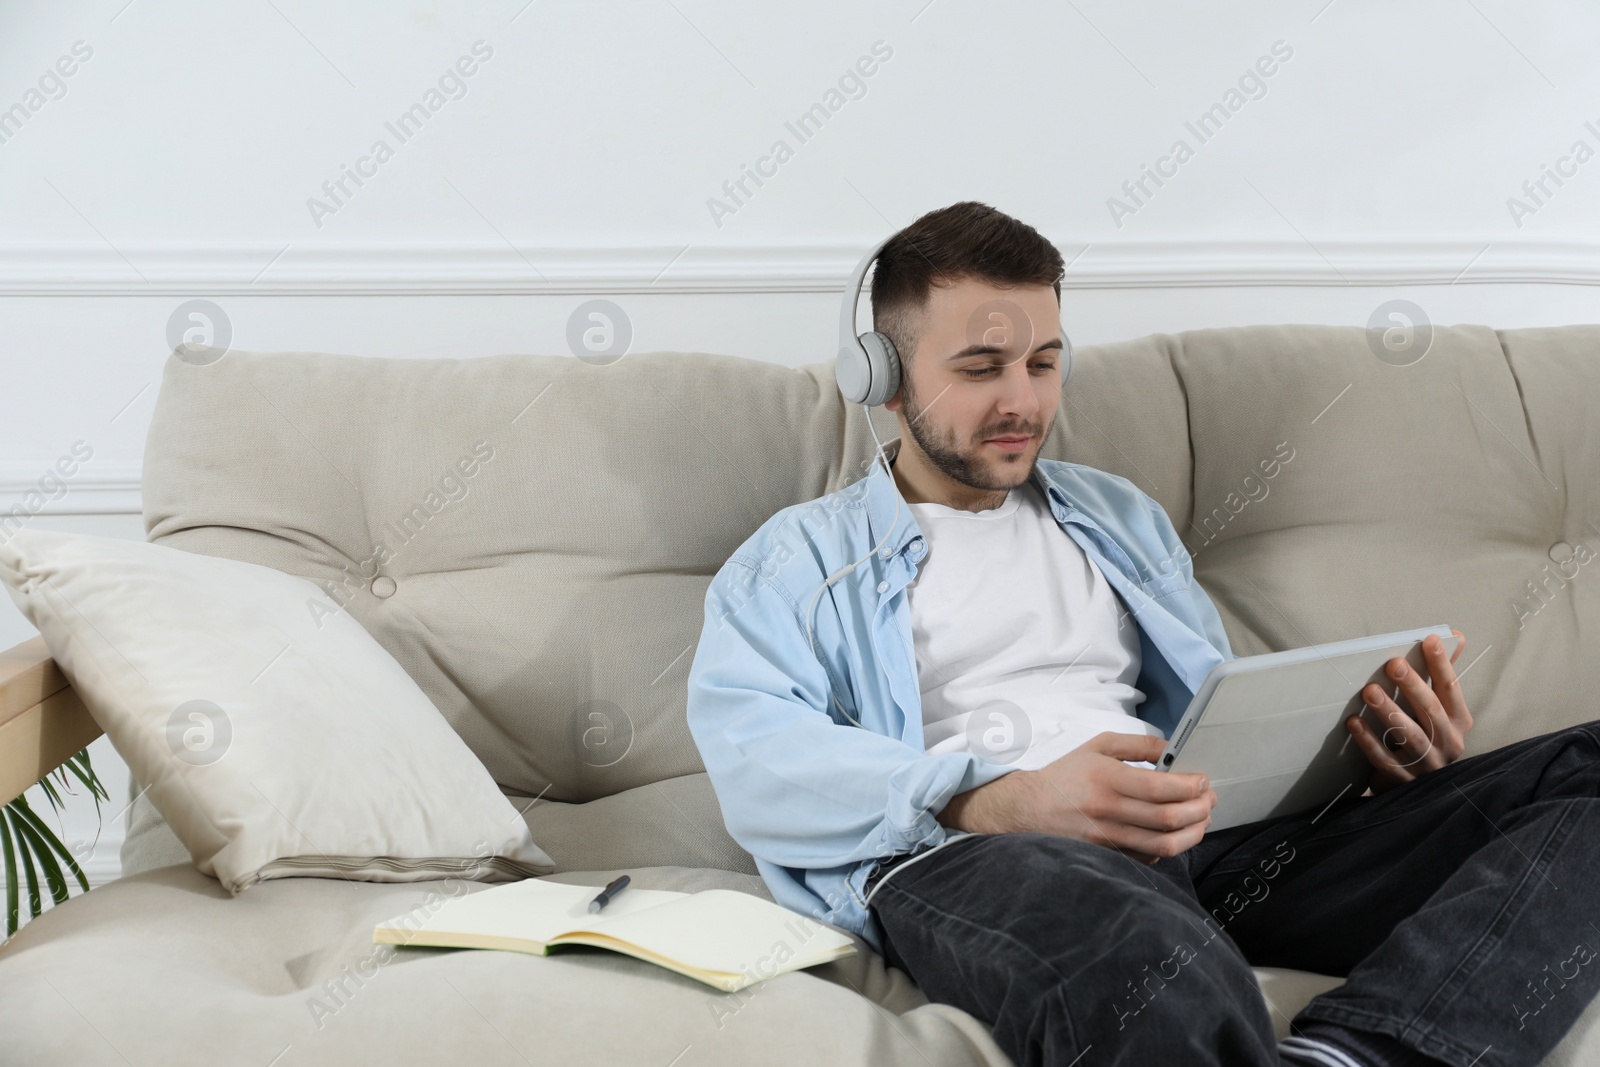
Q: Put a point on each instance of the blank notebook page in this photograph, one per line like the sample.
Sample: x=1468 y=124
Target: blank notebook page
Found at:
x=537 y=911
x=723 y=930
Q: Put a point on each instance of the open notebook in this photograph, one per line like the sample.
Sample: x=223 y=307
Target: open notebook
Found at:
x=721 y=937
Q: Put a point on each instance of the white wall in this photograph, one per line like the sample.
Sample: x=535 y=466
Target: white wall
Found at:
x=578 y=159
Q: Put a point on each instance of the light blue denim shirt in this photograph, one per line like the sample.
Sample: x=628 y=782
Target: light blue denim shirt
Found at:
x=818 y=800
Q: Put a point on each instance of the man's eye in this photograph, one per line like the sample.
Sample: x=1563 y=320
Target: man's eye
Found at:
x=983 y=372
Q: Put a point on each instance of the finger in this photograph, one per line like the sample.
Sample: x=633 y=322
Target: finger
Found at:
x=1383 y=762
x=1127 y=746
x=1163 y=818
x=1461 y=643
x=1446 y=717
x=1403 y=737
x=1447 y=687
x=1425 y=705
x=1151 y=846
x=1157 y=787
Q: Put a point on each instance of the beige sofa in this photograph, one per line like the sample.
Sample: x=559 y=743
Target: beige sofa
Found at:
x=568 y=580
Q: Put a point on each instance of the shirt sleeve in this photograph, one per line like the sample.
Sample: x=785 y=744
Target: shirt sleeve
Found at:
x=798 y=787
x=1197 y=610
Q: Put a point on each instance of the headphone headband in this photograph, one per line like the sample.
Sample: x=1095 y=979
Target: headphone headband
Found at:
x=853 y=368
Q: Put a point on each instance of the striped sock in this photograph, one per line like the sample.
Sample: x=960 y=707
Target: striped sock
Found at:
x=1318 y=1044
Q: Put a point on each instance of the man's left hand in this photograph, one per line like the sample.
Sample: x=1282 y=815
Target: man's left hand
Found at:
x=1406 y=747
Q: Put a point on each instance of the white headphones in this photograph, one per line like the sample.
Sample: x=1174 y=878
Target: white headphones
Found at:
x=868 y=373
x=868 y=367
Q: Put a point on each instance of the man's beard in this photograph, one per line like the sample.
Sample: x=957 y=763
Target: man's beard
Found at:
x=944 y=452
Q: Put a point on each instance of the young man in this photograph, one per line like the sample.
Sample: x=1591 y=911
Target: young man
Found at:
x=946 y=747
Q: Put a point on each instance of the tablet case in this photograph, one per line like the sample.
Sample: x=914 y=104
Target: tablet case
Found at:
x=1269 y=730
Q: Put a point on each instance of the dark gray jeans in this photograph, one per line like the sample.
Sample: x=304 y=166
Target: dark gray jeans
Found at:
x=1462 y=908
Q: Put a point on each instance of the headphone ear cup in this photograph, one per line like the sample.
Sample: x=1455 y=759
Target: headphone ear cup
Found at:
x=884 y=367
x=851 y=372
x=1066 y=358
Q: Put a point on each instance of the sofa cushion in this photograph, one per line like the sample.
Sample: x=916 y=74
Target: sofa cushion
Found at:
x=1457 y=489
x=278 y=738
x=531 y=536
x=291 y=964
x=288 y=974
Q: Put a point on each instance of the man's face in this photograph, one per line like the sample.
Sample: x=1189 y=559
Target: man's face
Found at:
x=987 y=365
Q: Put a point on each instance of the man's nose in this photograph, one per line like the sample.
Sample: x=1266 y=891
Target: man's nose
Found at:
x=1019 y=395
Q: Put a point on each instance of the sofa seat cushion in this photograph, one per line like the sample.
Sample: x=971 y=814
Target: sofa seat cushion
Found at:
x=165 y=967
x=673 y=822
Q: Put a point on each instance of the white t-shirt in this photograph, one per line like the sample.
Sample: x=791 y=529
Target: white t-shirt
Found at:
x=1023 y=649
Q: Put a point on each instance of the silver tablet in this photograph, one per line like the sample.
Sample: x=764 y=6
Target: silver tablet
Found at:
x=1269 y=730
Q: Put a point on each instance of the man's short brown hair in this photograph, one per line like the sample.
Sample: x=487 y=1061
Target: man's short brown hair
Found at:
x=964 y=240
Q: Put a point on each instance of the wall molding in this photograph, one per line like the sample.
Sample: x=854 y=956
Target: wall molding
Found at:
x=96 y=489
x=106 y=863
x=497 y=269
x=489 y=270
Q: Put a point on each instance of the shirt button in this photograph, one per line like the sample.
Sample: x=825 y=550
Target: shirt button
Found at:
x=883 y=587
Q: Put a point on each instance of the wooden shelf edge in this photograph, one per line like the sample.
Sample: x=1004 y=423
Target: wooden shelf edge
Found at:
x=42 y=719
x=27 y=676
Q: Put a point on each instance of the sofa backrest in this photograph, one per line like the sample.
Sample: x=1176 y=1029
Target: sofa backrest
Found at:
x=532 y=536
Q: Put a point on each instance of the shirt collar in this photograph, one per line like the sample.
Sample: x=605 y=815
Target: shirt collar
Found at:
x=883 y=495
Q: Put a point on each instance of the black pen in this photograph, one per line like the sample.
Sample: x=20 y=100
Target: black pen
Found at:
x=607 y=893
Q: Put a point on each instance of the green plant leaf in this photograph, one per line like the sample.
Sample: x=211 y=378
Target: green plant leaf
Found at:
x=11 y=877
x=50 y=792
x=97 y=790
x=90 y=778
x=57 y=805
x=79 y=765
x=41 y=852
x=25 y=838
x=35 y=902
x=48 y=840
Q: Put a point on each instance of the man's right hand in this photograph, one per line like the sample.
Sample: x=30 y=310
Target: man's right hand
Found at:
x=1093 y=794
